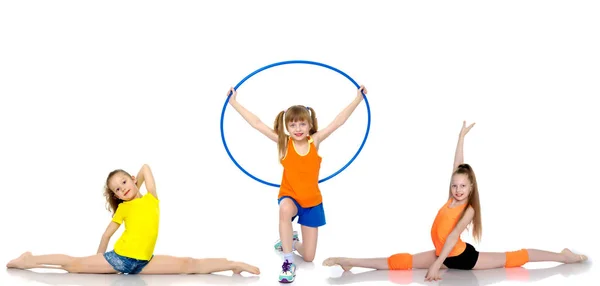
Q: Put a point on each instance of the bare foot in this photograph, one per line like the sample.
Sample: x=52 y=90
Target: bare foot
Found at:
x=24 y=261
x=571 y=257
x=341 y=261
x=239 y=267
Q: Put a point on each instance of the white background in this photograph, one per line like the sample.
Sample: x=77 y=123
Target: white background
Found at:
x=90 y=87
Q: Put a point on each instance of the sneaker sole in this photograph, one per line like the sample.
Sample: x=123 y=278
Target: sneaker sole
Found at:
x=284 y=280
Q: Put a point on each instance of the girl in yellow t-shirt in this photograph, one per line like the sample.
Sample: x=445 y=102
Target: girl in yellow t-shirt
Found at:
x=133 y=252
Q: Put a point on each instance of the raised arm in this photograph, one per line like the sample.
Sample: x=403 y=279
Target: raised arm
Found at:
x=252 y=119
x=341 y=118
x=458 y=156
x=108 y=233
x=433 y=272
x=145 y=176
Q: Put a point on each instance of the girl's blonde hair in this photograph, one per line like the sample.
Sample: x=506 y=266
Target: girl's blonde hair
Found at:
x=473 y=200
x=293 y=114
x=112 y=200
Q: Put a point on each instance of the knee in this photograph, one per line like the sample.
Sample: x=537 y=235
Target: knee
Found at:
x=400 y=261
x=309 y=257
x=75 y=266
x=287 y=209
x=187 y=265
x=516 y=258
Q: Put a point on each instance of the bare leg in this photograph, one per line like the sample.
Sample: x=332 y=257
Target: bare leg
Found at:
x=287 y=210
x=420 y=261
x=90 y=264
x=165 y=264
x=489 y=260
x=308 y=248
x=347 y=263
x=565 y=256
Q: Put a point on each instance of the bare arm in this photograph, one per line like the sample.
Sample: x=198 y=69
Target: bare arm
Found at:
x=459 y=156
x=340 y=119
x=453 y=236
x=252 y=119
x=108 y=233
x=145 y=176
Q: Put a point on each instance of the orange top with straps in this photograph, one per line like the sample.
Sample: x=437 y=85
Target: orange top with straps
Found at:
x=301 y=175
x=445 y=221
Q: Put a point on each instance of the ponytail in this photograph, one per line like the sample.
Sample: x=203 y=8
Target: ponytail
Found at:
x=313 y=118
x=278 y=126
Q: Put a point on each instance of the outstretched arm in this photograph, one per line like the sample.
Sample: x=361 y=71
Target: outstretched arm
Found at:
x=108 y=233
x=340 y=119
x=145 y=176
x=433 y=272
x=458 y=156
x=252 y=119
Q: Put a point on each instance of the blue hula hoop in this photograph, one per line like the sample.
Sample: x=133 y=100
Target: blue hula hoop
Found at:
x=296 y=62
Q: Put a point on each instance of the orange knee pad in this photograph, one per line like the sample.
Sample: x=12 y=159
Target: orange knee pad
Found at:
x=516 y=258
x=400 y=261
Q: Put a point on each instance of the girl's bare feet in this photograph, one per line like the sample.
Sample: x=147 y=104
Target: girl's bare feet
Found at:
x=239 y=267
x=25 y=261
x=341 y=261
x=571 y=257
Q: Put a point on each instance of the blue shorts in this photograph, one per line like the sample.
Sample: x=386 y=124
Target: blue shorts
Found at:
x=312 y=216
x=124 y=264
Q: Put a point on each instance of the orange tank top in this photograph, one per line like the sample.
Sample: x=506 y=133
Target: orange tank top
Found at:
x=445 y=221
x=301 y=175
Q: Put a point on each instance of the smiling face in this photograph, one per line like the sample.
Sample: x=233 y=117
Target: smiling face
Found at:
x=123 y=186
x=298 y=122
x=460 y=188
x=298 y=129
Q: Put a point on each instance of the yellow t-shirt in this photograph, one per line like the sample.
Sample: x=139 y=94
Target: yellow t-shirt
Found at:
x=141 y=217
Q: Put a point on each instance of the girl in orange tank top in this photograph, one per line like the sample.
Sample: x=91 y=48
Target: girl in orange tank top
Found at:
x=299 y=193
x=460 y=210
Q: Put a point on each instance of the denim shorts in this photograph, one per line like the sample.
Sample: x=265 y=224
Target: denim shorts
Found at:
x=312 y=216
x=124 y=264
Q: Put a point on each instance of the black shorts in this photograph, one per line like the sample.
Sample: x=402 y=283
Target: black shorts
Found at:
x=463 y=261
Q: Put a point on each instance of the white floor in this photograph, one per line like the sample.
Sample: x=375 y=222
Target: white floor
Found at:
x=574 y=274
x=316 y=274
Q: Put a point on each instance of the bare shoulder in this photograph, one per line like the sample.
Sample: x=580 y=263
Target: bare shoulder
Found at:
x=315 y=140
x=470 y=211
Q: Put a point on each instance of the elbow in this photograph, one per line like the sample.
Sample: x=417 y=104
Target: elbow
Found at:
x=339 y=122
x=254 y=121
x=453 y=238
